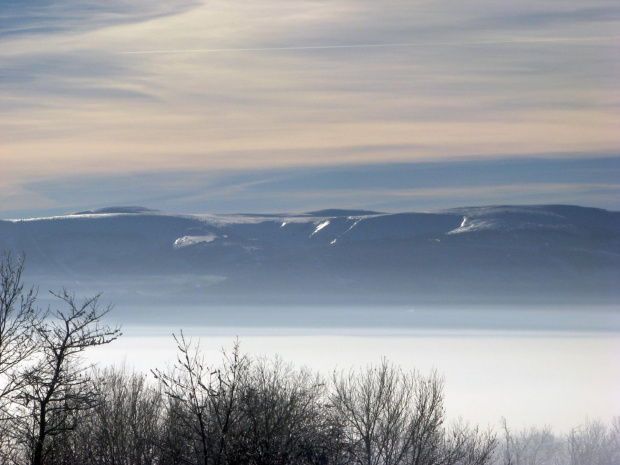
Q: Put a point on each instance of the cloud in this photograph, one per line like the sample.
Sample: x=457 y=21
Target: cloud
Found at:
x=314 y=87
x=563 y=14
x=547 y=178
x=374 y=45
x=48 y=17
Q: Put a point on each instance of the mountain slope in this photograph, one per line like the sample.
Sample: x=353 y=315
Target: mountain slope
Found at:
x=552 y=253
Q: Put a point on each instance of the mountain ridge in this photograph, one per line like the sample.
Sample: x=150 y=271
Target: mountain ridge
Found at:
x=497 y=253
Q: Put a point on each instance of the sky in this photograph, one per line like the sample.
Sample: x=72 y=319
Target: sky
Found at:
x=258 y=106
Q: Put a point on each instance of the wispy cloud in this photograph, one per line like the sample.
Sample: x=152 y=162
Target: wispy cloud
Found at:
x=142 y=87
x=410 y=44
x=50 y=17
x=549 y=178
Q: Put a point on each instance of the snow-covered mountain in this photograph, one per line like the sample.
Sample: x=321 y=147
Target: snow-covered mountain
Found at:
x=552 y=253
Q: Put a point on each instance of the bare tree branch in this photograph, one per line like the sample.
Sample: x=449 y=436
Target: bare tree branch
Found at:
x=58 y=386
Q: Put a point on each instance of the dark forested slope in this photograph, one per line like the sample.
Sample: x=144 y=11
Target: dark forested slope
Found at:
x=552 y=253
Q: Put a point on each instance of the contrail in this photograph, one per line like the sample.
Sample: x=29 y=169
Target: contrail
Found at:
x=409 y=44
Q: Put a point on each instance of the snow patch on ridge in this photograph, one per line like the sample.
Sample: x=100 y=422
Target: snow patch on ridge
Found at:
x=468 y=225
x=350 y=218
x=319 y=227
x=191 y=240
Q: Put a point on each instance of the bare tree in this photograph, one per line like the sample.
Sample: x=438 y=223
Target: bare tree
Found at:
x=592 y=443
x=532 y=446
x=465 y=445
x=283 y=422
x=205 y=400
x=389 y=417
x=595 y=444
x=425 y=424
x=123 y=428
x=58 y=387
x=186 y=385
x=244 y=412
x=19 y=320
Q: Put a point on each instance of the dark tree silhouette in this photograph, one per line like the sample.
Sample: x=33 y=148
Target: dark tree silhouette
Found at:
x=58 y=387
x=19 y=321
